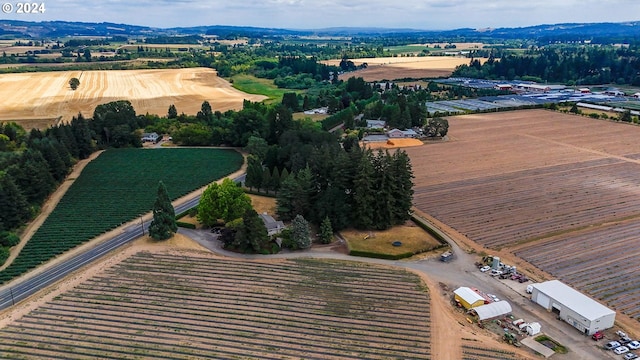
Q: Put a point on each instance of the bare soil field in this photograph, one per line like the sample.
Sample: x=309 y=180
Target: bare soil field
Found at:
x=391 y=68
x=392 y=143
x=561 y=191
x=151 y=91
x=184 y=306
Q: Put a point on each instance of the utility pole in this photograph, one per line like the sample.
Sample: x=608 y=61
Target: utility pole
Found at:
x=142 y=225
x=12 y=301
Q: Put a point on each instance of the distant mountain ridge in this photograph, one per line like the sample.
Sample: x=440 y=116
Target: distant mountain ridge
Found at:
x=55 y=29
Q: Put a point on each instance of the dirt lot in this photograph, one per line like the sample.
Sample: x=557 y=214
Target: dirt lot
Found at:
x=391 y=68
x=149 y=91
x=541 y=185
x=392 y=144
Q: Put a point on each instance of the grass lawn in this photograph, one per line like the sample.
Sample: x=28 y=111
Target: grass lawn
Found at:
x=253 y=85
x=263 y=204
x=414 y=240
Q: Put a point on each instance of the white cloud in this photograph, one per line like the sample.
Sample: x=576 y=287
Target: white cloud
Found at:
x=307 y=14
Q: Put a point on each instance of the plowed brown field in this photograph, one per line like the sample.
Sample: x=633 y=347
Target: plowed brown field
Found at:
x=560 y=191
x=47 y=95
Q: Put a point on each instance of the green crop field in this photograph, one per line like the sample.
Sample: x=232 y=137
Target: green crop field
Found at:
x=115 y=188
x=253 y=85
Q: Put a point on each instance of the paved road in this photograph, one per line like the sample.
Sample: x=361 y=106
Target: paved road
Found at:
x=31 y=285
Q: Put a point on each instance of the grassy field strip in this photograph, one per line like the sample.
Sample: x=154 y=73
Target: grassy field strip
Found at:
x=177 y=307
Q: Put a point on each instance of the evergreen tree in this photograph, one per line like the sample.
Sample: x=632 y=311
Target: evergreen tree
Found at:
x=290 y=100
x=82 y=136
x=364 y=193
x=304 y=192
x=172 y=113
x=14 y=209
x=300 y=233
x=266 y=179
x=251 y=235
x=163 y=225
x=31 y=175
x=206 y=113
x=275 y=179
x=254 y=172
x=326 y=232
x=286 y=197
x=403 y=190
x=385 y=187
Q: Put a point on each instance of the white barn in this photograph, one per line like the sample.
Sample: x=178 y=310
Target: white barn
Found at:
x=493 y=310
x=572 y=306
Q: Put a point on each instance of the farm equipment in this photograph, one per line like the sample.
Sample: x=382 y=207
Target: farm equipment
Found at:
x=511 y=339
x=446 y=256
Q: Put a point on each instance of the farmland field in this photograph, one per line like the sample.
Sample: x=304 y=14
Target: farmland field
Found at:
x=182 y=306
x=560 y=191
x=391 y=68
x=115 y=188
x=149 y=91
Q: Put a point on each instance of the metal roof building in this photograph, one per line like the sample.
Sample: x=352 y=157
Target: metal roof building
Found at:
x=467 y=297
x=493 y=310
x=572 y=306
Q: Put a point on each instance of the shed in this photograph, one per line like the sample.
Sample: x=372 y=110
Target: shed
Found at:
x=467 y=297
x=533 y=328
x=572 y=306
x=492 y=310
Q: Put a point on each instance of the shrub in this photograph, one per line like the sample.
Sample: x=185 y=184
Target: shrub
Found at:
x=9 y=239
x=185 y=225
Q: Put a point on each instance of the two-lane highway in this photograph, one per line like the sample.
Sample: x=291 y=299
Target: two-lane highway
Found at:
x=31 y=285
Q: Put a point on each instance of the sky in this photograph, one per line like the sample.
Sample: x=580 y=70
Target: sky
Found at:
x=317 y=14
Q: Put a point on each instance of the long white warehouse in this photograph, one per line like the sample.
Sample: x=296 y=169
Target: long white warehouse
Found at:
x=572 y=306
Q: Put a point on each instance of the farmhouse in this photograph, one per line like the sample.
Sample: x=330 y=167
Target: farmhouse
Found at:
x=467 y=297
x=579 y=310
x=273 y=226
x=376 y=124
x=152 y=137
x=396 y=133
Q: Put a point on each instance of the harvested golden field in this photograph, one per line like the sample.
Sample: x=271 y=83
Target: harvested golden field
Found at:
x=152 y=91
x=391 y=68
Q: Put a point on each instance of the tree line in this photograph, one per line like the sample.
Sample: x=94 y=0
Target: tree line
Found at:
x=562 y=64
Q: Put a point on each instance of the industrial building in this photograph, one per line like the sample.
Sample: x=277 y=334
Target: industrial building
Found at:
x=577 y=309
x=468 y=298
